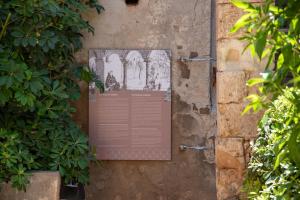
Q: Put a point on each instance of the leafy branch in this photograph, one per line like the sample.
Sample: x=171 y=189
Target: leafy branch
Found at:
x=38 y=80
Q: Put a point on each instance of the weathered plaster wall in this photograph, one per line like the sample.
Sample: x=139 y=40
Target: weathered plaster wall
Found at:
x=184 y=27
x=234 y=131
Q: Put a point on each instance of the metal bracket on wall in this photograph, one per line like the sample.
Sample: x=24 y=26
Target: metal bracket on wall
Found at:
x=184 y=147
x=199 y=58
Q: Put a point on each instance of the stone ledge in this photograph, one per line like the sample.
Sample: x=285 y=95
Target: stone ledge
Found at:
x=43 y=186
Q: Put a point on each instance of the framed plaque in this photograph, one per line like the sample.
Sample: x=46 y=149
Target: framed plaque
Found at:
x=131 y=120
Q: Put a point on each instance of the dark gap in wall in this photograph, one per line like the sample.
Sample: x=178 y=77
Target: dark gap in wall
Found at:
x=213 y=54
x=132 y=2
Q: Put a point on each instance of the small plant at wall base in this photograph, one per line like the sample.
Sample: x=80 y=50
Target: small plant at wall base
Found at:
x=272 y=32
x=38 y=80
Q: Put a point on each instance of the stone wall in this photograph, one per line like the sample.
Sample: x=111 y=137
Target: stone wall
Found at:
x=234 y=131
x=184 y=27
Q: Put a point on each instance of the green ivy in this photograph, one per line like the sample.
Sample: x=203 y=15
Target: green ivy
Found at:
x=274 y=168
x=271 y=31
x=38 y=81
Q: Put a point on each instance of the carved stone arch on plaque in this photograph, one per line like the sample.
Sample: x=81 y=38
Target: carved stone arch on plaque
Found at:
x=135 y=71
x=158 y=71
x=113 y=72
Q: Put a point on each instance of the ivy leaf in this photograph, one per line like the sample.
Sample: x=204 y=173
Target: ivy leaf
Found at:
x=244 y=5
x=255 y=103
x=32 y=41
x=260 y=43
x=255 y=81
x=294 y=146
x=5 y=95
x=240 y=23
x=17 y=34
x=280 y=61
x=83 y=163
x=3 y=80
x=62 y=170
x=6 y=81
x=24 y=99
x=240 y=4
x=18 y=41
x=279 y=158
x=35 y=86
x=24 y=42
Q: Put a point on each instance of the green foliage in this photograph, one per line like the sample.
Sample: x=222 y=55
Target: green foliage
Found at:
x=273 y=32
x=38 y=80
x=273 y=172
x=267 y=35
x=15 y=158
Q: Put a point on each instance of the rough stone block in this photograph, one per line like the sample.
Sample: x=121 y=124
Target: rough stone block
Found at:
x=43 y=186
x=231 y=57
x=227 y=16
x=230 y=154
x=231 y=87
x=231 y=123
x=228 y=183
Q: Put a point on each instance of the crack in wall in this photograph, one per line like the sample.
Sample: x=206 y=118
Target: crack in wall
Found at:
x=195 y=13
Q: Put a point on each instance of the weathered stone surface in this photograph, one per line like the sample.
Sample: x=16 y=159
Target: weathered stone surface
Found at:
x=231 y=87
x=231 y=122
x=227 y=16
x=234 y=130
x=82 y=107
x=185 y=28
x=189 y=125
x=195 y=89
x=230 y=154
x=179 y=105
x=231 y=57
x=229 y=182
x=43 y=186
x=185 y=71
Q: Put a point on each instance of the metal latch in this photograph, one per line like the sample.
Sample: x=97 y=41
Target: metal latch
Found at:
x=183 y=147
x=198 y=58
